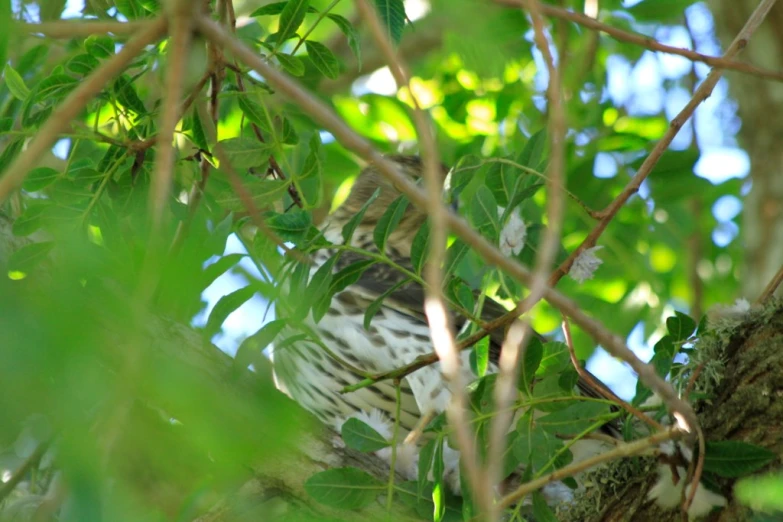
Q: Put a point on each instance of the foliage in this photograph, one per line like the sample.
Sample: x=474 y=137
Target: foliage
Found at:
x=82 y=370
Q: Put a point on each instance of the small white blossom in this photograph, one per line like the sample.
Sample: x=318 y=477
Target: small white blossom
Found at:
x=585 y=265
x=513 y=235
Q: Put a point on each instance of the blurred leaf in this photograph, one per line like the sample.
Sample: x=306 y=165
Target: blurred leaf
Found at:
x=573 y=419
x=99 y=46
x=439 y=484
x=541 y=510
x=344 y=488
x=39 y=178
x=293 y=65
x=734 y=458
x=245 y=153
x=15 y=83
x=309 y=179
x=659 y=10
x=276 y=8
x=362 y=437
x=761 y=493
x=484 y=214
x=28 y=256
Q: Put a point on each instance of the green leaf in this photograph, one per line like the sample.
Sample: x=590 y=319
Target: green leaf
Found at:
x=245 y=153
x=293 y=65
x=318 y=291
x=263 y=192
x=344 y=488
x=9 y=153
x=256 y=113
x=541 y=510
x=350 y=227
x=420 y=247
x=276 y=8
x=6 y=124
x=484 y=213
x=425 y=463
x=389 y=221
x=681 y=326
x=734 y=458
x=376 y=305
x=323 y=59
x=82 y=64
x=30 y=220
x=534 y=354
x=291 y=226
x=454 y=255
x=15 y=83
x=574 y=419
x=350 y=274
x=392 y=13
x=536 y=446
x=27 y=257
x=481 y=355
x=218 y=268
x=99 y=46
x=439 y=484
x=291 y=18
x=362 y=437
x=225 y=307
x=308 y=179
x=532 y=155
x=351 y=34
x=39 y=178
x=127 y=95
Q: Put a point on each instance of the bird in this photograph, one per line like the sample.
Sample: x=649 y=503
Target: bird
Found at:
x=398 y=334
x=340 y=351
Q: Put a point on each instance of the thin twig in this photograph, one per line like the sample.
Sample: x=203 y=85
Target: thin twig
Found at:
x=771 y=287
x=7 y=487
x=590 y=379
x=508 y=368
x=74 y=103
x=180 y=24
x=441 y=329
x=622 y=450
x=345 y=135
x=723 y=62
x=701 y=94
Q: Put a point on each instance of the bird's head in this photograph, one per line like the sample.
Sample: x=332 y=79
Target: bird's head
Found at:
x=369 y=180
